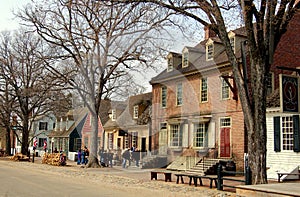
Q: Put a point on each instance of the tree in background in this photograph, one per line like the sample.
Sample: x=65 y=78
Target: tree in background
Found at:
x=265 y=22
x=103 y=40
x=30 y=85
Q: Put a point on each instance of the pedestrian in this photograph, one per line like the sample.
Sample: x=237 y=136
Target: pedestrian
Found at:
x=87 y=154
x=110 y=155
x=79 y=156
x=82 y=157
x=136 y=157
x=125 y=156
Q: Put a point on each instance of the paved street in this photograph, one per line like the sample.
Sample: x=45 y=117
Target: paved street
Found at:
x=35 y=179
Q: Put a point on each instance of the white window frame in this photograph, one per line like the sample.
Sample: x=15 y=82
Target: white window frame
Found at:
x=136 y=112
x=225 y=122
x=203 y=90
x=287 y=133
x=164 y=96
x=185 y=59
x=225 y=90
x=175 y=136
x=179 y=94
x=209 y=51
x=170 y=64
x=200 y=132
x=113 y=115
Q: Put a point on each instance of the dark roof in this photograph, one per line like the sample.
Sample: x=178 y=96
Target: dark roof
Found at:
x=197 y=60
x=125 y=120
x=79 y=115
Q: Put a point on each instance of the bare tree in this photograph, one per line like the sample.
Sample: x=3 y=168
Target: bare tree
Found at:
x=6 y=105
x=24 y=58
x=103 y=40
x=269 y=20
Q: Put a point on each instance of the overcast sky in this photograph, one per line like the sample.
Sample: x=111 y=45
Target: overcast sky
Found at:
x=6 y=16
x=7 y=22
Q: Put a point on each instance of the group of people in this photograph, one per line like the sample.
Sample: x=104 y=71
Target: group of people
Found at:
x=82 y=156
x=130 y=154
x=106 y=158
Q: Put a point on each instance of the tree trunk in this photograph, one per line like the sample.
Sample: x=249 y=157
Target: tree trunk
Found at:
x=8 y=142
x=25 y=137
x=93 y=157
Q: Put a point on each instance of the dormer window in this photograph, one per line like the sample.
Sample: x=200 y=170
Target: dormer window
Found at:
x=210 y=52
x=170 y=64
x=135 y=111
x=113 y=115
x=185 y=59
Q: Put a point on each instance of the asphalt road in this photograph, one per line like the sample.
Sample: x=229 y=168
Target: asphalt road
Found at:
x=25 y=182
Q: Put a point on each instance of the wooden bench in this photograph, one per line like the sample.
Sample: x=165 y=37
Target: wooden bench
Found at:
x=195 y=177
x=167 y=174
x=280 y=174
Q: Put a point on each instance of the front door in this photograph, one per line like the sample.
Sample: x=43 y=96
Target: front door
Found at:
x=163 y=142
x=225 y=142
x=143 y=145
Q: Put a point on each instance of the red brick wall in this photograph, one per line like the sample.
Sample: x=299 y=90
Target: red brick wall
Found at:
x=287 y=53
x=191 y=106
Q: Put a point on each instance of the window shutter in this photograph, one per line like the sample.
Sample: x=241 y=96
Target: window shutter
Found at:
x=296 y=133
x=276 y=133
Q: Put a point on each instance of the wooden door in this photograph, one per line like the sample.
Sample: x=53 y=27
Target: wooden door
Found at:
x=225 y=142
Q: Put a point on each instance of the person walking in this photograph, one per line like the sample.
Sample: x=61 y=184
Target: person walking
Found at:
x=83 y=157
x=125 y=156
x=79 y=156
x=87 y=154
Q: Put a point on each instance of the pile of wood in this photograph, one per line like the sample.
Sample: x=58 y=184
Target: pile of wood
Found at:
x=20 y=157
x=52 y=159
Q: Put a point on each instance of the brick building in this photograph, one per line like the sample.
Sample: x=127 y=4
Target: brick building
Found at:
x=196 y=110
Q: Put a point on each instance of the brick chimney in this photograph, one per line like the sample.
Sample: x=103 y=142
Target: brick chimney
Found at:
x=209 y=33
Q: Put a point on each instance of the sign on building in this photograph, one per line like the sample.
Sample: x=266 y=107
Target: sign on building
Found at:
x=289 y=93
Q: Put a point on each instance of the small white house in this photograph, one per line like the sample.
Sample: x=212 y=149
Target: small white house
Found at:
x=40 y=129
x=283 y=150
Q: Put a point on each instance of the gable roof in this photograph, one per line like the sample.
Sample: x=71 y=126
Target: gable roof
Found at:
x=125 y=120
x=79 y=116
x=197 y=60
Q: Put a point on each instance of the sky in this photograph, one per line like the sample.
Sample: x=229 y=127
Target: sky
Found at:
x=7 y=22
x=6 y=16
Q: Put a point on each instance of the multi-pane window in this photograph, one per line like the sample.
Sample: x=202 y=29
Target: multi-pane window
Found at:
x=77 y=144
x=113 y=115
x=134 y=138
x=163 y=96
x=43 y=126
x=185 y=60
x=224 y=89
x=179 y=94
x=110 y=140
x=175 y=135
x=41 y=142
x=170 y=64
x=136 y=111
x=287 y=133
x=204 y=90
x=200 y=132
x=225 y=122
x=210 y=52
